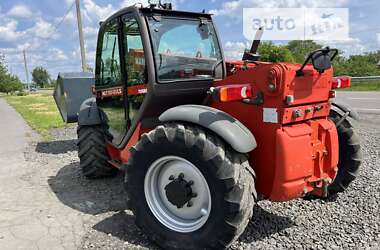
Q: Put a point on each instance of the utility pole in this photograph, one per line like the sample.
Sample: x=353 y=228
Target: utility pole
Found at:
x=81 y=40
x=26 y=71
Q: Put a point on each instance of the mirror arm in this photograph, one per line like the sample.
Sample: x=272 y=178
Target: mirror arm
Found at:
x=335 y=54
x=300 y=71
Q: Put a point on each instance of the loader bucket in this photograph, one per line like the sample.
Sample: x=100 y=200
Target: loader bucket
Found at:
x=69 y=93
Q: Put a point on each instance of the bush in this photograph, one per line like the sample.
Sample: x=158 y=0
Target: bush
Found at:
x=21 y=93
x=270 y=52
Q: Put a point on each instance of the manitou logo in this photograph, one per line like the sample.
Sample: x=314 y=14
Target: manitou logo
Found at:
x=297 y=23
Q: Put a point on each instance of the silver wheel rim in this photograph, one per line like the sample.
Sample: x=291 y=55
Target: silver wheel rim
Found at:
x=185 y=219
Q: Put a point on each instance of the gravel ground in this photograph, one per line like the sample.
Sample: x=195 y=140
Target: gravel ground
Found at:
x=351 y=221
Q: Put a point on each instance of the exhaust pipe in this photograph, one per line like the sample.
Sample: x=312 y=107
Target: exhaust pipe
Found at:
x=251 y=55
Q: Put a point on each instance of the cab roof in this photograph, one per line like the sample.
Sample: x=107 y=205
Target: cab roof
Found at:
x=160 y=11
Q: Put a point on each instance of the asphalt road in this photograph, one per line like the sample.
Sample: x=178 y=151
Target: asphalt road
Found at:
x=362 y=102
x=31 y=216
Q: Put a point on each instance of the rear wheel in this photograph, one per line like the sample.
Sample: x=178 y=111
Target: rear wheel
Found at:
x=92 y=151
x=350 y=156
x=188 y=190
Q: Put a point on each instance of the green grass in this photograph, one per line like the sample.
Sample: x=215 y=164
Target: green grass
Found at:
x=39 y=111
x=364 y=86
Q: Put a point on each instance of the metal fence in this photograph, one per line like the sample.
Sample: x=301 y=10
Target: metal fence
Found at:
x=358 y=79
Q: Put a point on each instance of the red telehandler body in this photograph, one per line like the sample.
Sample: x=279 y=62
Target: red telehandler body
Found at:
x=199 y=137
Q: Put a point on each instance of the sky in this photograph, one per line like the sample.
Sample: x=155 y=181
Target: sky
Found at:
x=51 y=41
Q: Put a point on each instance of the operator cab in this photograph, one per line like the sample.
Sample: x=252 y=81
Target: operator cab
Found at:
x=145 y=55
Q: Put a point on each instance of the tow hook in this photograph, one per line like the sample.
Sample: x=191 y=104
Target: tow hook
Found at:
x=321 y=187
x=325 y=183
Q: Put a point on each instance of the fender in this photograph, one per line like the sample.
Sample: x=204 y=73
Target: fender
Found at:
x=90 y=114
x=345 y=110
x=221 y=123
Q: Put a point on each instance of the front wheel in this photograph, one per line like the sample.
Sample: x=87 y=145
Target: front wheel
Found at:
x=188 y=190
x=92 y=151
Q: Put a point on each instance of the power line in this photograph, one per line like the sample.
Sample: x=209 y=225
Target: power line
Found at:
x=50 y=36
x=55 y=28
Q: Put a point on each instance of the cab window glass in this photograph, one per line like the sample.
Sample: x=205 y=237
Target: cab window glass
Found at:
x=184 y=49
x=110 y=74
x=135 y=66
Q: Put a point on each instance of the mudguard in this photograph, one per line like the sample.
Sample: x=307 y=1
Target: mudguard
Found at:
x=90 y=114
x=342 y=109
x=221 y=123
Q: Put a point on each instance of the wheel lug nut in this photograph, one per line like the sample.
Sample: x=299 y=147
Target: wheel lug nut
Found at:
x=203 y=211
x=171 y=178
x=181 y=176
x=189 y=204
x=193 y=195
x=190 y=183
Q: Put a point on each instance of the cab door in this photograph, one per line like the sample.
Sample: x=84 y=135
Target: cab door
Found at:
x=120 y=74
x=109 y=81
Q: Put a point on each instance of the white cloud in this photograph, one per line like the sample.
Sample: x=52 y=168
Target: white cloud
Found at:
x=70 y=18
x=127 y=3
x=57 y=54
x=234 y=8
x=20 y=11
x=90 y=31
x=43 y=29
x=69 y=2
x=352 y=46
x=235 y=50
x=9 y=31
x=97 y=13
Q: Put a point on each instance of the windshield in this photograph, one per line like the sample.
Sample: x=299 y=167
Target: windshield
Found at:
x=184 y=48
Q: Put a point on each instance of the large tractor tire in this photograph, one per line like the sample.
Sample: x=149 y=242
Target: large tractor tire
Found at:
x=92 y=152
x=188 y=189
x=350 y=156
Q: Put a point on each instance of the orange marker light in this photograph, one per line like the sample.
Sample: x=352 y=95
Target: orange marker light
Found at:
x=229 y=93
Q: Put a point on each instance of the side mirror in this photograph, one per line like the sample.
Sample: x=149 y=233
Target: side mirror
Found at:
x=321 y=60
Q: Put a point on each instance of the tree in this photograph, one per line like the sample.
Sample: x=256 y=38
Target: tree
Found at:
x=11 y=85
x=3 y=69
x=8 y=82
x=270 y=52
x=41 y=77
x=358 y=65
x=301 y=49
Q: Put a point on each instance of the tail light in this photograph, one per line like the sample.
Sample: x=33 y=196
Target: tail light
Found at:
x=230 y=93
x=341 y=82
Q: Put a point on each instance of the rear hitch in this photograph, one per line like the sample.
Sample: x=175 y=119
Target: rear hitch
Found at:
x=321 y=187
